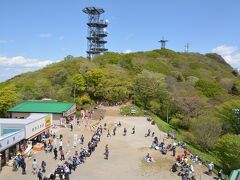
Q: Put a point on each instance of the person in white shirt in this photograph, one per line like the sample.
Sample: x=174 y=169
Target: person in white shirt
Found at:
x=210 y=168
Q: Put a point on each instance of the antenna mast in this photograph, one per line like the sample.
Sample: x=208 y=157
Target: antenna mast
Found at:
x=187 y=47
x=163 y=43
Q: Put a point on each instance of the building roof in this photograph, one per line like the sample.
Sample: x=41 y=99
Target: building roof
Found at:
x=42 y=107
x=29 y=119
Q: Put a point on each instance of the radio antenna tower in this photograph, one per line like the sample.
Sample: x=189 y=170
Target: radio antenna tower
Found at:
x=163 y=43
x=187 y=47
x=96 y=32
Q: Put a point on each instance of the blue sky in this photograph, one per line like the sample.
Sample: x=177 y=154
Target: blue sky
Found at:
x=34 y=33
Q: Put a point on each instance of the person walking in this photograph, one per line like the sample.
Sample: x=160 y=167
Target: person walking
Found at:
x=43 y=165
x=40 y=174
x=71 y=126
x=174 y=151
x=125 y=131
x=55 y=151
x=82 y=139
x=34 y=166
x=106 y=154
x=210 y=168
x=133 y=130
x=60 y=144
x=108 y=134
x=114 y=130
x=23 y=166
x=220 y=174
x=62 y=155
x=153 y=133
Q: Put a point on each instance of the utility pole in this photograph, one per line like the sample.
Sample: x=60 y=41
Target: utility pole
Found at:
x=167 y=115
x=186 y=47
x=74 y=92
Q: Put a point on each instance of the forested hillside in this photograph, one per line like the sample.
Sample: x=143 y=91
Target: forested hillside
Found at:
x=199 y=93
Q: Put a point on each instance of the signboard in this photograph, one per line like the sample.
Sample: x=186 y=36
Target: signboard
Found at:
x=38 y=126
x=133 y=111
x=48 y=121
x=11 y=140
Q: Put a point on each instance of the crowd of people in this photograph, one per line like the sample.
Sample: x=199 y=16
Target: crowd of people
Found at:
x=181 y=167
x=63 y=171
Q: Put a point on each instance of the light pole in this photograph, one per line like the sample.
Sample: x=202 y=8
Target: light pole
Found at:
x=172 y=99
x=74 y=91
x=167 y=114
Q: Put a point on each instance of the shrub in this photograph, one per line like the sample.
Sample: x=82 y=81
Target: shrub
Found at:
x=208 y=88
x=228 y=150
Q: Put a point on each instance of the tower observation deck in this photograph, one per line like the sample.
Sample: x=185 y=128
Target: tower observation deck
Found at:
x=96 y=32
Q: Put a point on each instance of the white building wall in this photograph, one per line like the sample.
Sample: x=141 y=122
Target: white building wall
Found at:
x=20 y=115
x=11 y=140
x=38 y=126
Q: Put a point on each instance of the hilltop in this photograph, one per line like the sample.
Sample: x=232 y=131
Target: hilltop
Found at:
x=180 y=71
x=190 y=91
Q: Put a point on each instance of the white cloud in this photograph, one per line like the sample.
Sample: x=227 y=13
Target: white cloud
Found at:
x=127 y=51
x=12 y=66
x=230 y=53
x=45 y=35
x=20 y=61
x=61 y=38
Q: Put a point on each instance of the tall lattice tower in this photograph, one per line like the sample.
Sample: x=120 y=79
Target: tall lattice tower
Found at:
x=96 y=32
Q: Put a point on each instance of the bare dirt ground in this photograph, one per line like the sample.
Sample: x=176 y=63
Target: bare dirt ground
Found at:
x=126 y=153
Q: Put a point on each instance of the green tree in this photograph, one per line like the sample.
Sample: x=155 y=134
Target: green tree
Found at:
x=229 y=113
x=234 y=90
x=83 y=100
x=208 y=88
x=59 y=77
x=147 y=86
x=8 y=98
x=42 y=89
x=94 y=79
x=228 y=150
x=206 y=130
x=80 y=83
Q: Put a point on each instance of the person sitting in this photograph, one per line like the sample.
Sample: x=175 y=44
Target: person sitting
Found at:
x=169 y=146
x=164 y=151
x=179 y=157
x=191 y=170
x=186 y=152
x=148 y=133
x=148 y=158
x=174 y=167
x=119 y=124
x=161 y=144
x=182 y=171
